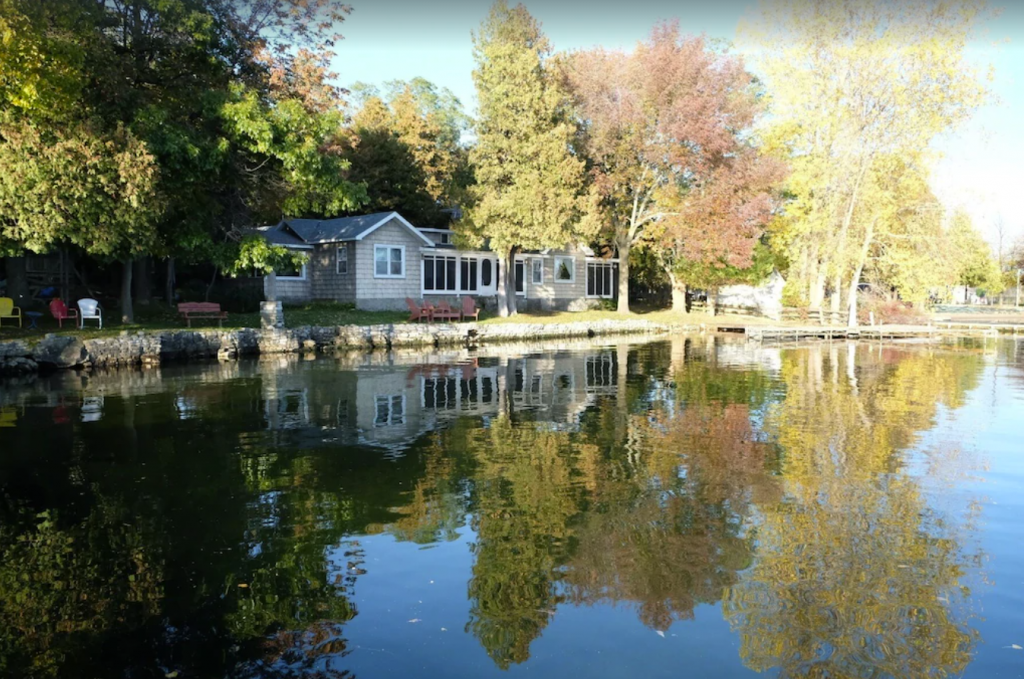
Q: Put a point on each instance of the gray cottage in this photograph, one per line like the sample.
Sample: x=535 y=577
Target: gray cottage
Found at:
x=376 y=261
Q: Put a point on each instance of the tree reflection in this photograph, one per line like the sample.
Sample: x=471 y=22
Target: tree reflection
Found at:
x=855 y=575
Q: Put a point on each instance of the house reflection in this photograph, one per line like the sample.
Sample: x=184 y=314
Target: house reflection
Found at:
x=390 y=404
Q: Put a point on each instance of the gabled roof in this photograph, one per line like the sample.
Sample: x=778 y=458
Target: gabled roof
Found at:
x=278 y=236
x=315 y=231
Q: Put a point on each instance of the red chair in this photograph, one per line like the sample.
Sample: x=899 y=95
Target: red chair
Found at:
x=62 y=313
x=444 y=312
x=469 y=309
x=415 y=312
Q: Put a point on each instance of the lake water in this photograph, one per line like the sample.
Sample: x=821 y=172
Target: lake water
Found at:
x=693 y=507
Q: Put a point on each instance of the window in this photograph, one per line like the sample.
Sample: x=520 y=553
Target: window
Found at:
x=440 y=393
x=485 y=273
x=469 y=275
x=445 y=239
x=390 y=410
x=519 y=268
x=341 y=265
x=291 y=272
x=565 y=269
x=537 y=271
x=439 y=273
x=389 y=261
x=600 y=279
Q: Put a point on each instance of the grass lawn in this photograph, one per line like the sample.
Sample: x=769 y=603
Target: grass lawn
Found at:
x=156 y=317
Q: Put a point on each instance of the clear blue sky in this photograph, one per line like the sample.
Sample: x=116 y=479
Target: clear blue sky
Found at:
x=982 y=168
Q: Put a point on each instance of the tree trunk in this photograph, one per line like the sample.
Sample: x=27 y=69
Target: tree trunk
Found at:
x=623 y=248
x=851 y=320
x=836 y=301
x=678 y=294
x=503 y=287
x=17 y=280
x=213 y=279
x=169 y=282
x=141 y=281
x=127 y=312
x=816 y=289
x=713 y=301
x=511 y=299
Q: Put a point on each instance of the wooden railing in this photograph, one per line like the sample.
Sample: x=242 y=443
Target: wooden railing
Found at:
x=820 y=316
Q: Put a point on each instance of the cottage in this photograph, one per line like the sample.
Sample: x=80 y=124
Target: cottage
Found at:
x=376 y=261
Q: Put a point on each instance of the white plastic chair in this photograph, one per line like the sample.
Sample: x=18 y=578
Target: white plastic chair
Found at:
x=89 y=309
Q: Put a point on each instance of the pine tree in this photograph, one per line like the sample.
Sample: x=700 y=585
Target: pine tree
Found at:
x=529 y=181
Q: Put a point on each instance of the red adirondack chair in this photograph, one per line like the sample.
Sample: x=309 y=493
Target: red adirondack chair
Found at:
x=415 y=312
x=469 y=309
x=62 y=313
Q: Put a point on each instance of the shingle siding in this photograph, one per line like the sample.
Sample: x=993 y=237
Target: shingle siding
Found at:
x=325 y=281
x=378 y=294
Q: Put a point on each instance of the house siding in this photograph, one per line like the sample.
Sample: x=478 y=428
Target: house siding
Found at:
x=388 y=294
x=554 y=295
x=291 y=290
x=325 y=281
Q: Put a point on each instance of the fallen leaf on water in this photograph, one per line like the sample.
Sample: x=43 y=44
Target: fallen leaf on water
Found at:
x=171 y=675
x=660 y=633
x=242 y=584
x=1016 y=647
x=415 y=620
x=444 y=629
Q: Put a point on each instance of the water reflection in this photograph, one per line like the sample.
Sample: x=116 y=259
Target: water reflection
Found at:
x=211 y=520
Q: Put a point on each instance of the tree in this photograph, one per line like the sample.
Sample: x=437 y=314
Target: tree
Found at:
x=530 y=182
x=666 y=131
x=974 y=266
x=79 y=187
x=851 y=82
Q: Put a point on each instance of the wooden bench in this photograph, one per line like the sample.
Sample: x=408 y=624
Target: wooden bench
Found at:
x=201 y=310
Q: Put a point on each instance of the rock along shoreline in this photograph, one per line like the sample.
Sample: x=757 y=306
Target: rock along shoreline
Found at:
x=149 y=348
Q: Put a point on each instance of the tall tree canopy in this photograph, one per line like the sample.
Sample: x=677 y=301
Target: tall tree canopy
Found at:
x=530 y=183
x=667 y=135
x=852 y=82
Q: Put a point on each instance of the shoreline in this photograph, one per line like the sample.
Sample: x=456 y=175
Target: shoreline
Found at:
x=152 y=348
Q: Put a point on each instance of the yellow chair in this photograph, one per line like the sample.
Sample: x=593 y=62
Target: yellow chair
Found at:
x=9 y=311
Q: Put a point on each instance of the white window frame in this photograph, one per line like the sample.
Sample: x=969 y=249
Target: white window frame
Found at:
x=462 y=290
x=535 y=262
x=340 y=248
x=432 y=258
x=572 y=269
x=526 y=277
x=612 y=267
x=389 y=400
x=388 y=249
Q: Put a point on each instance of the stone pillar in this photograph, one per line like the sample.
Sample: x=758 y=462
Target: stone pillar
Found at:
x=271 y=315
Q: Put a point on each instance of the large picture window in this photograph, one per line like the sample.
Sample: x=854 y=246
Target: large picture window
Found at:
x=565 y=269
x=291 y=272
x=439 y=273
x=600 y=279
x=388 y=261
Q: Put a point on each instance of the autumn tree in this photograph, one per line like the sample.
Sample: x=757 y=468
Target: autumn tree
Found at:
x=851 y=82
x=666 y=135
x=529 y=180
x=973 y=263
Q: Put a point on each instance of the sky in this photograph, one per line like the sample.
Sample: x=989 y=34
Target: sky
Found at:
x=981 y=166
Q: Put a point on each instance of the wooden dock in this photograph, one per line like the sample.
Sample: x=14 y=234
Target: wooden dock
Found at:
x=761 y=333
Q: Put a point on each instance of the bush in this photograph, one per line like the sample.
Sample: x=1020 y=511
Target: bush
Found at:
x=888 y=311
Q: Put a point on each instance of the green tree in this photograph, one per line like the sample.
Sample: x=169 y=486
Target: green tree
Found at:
x=974 y=265
x=529 y=182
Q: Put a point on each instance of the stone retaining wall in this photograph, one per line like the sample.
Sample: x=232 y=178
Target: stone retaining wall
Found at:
x=56 y=352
